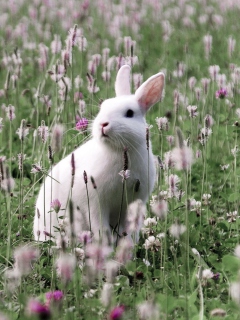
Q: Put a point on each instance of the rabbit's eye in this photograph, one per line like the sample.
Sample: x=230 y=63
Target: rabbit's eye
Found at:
x=129 y=113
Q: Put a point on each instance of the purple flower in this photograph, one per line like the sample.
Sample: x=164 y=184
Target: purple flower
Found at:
x=56 y=205
x=82 y=124
x=54 y=298
x=221 y=93
x=216 y=276
x=116 y=313
x=36 y=308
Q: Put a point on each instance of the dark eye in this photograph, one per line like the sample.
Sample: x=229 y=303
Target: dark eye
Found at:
x=129 y=113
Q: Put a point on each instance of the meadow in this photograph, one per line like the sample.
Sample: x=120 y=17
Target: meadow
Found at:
x=58 y=62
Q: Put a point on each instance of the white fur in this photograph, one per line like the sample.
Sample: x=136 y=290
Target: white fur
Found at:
x=102 y=158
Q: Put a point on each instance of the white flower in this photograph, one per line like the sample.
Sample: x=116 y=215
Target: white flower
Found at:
x=152 y=243
x=205 y=274
x=148 y=310
x=234 y=151
x=194 y=251
x=177 y=229
x=107 y=294
x=125 y=174
x=150 y=222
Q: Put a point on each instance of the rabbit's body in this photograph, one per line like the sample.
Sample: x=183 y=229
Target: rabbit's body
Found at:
x=120 y=125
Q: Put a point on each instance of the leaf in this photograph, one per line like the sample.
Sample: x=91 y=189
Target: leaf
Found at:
x=231 y=263
x=233 y=197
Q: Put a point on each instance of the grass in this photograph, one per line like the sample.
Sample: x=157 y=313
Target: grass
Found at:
x=166 y=279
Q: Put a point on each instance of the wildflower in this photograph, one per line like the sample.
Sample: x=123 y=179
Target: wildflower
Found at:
x=173 y=181
x=125 y=174
x=204 y=276
x=106 y=76
x=231 y=46
x=224 y=167
x=124 y=250
x=205 y=84
x=168 y=163
x=152 y=243
x=234 y=151
x=207 y=45
x=198 y=93
x=205 y=133
x=160 y=208
x=180 y=70
x=191 y=82
x=92 y=88
x=182 y=158
x=36 y=168
x=206 y=199
x=214 y=70
x=55 y=205
x=136 y=212
x=162 y=123
x=10 y=110
x=65 y=265
x=150 y=222
x=111 y=269
x=57 y=73
x=12 y=278
x=23 y=130
x=235 y=292
x=208 y=121
x=148 y=310
x=43 y=131
x=146 y=262
x=117 y=313
x=56 y=44
x=82 y=125
x=170 y=140
x=221 y=93
x=36 y=308
x=1 y=124
x=85 y=237
x=106 y=294
x=82 y=106
x=8 y=184
x=79 y=253
x=232 y=216
x=98 y=254
x=177 y=229
x=54 y=298
x=82 y=43
x=24 y=256
x=57 y=137
x=137 y=80
x=192 y=111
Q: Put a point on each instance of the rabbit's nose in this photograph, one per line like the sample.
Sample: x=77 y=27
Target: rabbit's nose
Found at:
x=104 y=129
x=105 y=124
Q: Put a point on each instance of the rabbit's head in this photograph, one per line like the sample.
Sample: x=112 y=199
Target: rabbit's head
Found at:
x=121 y=120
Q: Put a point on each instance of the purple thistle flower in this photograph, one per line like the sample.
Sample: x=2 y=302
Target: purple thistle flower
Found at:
x=82 y=124
x=36 y=308
x=116 y=313
x=221 y=93
x=56 y=205
x=54 y=297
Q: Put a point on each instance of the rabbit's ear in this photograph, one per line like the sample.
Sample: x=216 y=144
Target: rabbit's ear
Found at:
x=150 y=91
x=122 y=84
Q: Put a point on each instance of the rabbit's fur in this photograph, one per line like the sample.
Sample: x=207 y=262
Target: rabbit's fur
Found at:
x=115 y=129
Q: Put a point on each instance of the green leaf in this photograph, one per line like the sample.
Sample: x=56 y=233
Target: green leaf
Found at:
x=234 y=197
x=231 y=263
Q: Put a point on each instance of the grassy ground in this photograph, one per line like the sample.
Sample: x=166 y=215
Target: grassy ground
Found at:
x=190 y=269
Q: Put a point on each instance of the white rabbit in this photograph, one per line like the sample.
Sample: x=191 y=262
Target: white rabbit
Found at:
x=120 y=125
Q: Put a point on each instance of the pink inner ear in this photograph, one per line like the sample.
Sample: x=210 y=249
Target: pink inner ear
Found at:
x=150 y=91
